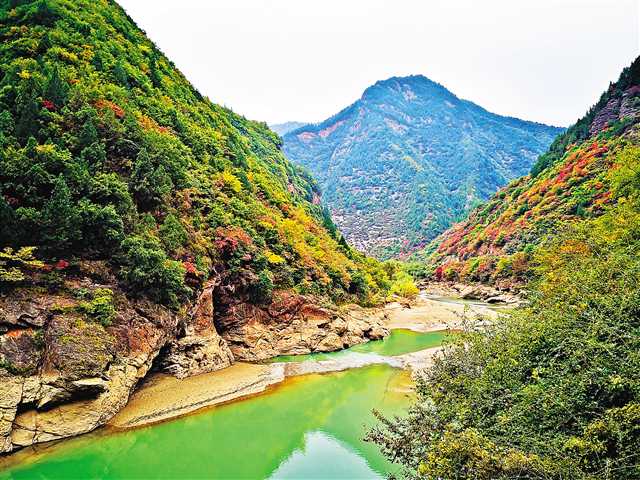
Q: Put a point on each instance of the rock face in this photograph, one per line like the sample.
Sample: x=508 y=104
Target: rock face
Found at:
x=199 y=349
x=295 y=325
x=63 y=373
x=79 y=373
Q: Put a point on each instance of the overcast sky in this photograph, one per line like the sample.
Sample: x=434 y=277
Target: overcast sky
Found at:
x=279 y=60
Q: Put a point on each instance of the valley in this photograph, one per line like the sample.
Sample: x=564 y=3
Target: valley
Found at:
x=415 y=287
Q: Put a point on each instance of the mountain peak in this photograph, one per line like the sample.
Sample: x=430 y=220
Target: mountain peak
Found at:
x=405 y=86
x=409 y=157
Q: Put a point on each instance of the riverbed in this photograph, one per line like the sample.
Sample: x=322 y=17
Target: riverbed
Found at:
x=299 y=425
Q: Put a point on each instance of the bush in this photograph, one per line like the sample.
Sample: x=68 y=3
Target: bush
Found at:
x=100 y=308
x=549 y=391
x=146 y=269
x=404 y=286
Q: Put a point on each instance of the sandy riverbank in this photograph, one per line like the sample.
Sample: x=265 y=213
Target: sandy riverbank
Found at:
x=427 y=314
x=163 y=397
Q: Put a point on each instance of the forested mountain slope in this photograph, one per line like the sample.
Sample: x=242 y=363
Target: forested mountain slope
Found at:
x=550 y=390
x=569 y=183
x=409 y=158
x=135 y=216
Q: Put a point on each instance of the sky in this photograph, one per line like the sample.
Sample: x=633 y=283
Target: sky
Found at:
x=305 y=60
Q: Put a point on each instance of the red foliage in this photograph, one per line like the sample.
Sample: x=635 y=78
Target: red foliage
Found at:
x=191 y=269
x=61 y=265
x=49 y=105
x=438 y=273
x=229 y=239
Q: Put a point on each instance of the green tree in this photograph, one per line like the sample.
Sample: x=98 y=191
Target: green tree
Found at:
x=56 y=89
x=150 y=183
x=60 y=219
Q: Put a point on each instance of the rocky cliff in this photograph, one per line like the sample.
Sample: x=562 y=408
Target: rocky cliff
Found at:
x=144 y=227
x=64 y=374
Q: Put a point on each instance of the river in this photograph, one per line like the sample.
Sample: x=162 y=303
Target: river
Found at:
x=308 y=426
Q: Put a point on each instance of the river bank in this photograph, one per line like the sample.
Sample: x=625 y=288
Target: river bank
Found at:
x=416 y=334
x=163 y=396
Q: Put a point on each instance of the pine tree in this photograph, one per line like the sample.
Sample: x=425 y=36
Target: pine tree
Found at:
x=28 y=110
x=60 y=218
x=120 y=74
x=154 y=73
x=89 y=134
x=57 y=89
x=149 y=184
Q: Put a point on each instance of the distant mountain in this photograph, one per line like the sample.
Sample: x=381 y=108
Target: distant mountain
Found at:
x=409 y=158
x=286 y=127
x=569 y=183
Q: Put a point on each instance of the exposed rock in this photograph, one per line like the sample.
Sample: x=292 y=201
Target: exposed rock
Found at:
x=294 y=325
x=64 y=374
x=616 y=109
x=201 y=349
x=472 y=293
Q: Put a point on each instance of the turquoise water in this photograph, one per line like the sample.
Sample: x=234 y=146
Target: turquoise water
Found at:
x=399 y=342
x=308 y=427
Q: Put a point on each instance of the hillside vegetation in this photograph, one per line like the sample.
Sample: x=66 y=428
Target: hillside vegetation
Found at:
x=569 y=183
x=108 y=153
x=552 y=390
x=409 y=158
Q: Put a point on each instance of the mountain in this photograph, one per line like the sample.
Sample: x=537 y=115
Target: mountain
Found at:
x=550 y=389
x=141 y=224
x=283 y=128
x=569 y=183
x=409 y=158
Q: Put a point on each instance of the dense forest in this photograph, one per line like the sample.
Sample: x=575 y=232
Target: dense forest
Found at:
x=408 y=158
x=551 y=390
x=108 y=153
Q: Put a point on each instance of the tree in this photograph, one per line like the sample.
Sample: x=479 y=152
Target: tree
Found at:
x=150 y=184
x=60 y=218
x=56 y=89
x=120 y=74
x=27 y=108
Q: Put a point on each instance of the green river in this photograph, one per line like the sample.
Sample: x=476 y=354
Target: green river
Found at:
x=307 y=427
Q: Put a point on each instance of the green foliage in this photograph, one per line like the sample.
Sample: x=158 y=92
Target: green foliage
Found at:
x=146 y=268
x=107 y=152
x=13 y=264
x=551 y=390
x=100 y=307
x=404 y=286
x=172 y=233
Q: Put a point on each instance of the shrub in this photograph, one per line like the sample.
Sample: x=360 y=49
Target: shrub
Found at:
x=146 y=269
x=100 y=308
x=404 y=286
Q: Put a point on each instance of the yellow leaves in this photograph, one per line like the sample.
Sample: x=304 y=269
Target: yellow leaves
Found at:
x=228 y=181
x=274 y=259
x=25 y=74
x=87 y=53
x=45 y=149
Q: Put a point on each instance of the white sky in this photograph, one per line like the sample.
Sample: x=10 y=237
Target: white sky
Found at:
x=280 y=60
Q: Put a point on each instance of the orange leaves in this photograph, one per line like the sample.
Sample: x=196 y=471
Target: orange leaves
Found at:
x=106 y=104
x=229 y=239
